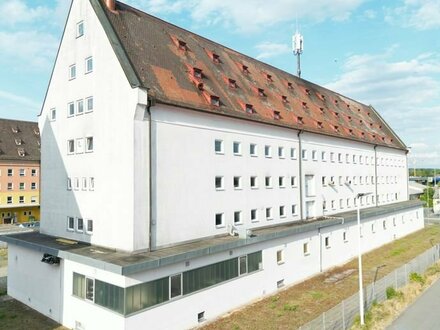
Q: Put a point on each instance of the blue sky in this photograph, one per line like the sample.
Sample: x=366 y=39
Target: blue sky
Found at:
x=384 y=53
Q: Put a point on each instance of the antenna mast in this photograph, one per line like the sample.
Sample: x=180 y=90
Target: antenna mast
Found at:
x=298 y=47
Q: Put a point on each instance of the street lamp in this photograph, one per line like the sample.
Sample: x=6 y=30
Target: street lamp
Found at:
x=361 y=290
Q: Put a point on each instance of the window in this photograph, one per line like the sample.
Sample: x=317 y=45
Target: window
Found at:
x=89 y=228
x=394 y=222
x=324 y=205
x=219 y=183
x=354 y=159
x=219 y=220
x=70 y=109
x=348 y=202
x=53 y=114
x=306 y=249
x=304 y=154
x=34 y=172
x=323 y=156
x=269 y=213
x=91 y=183
x=282 y=211
x=79 y=146
x=89 y=64
x=293 y=209
x=341 y=181
x=242 y=261
x=10 y=186
x=175 y=286
x=293 y=153
x=72 y=72
x=200 y=317
x=280 y=256
x=323 y=181
x=332 y=157
x=70 y=147
x=237 y=217
x=347 y=158
x=84 y=183
x=253 y=150
x=293 y=181
x=10 y=172
x=70 y=223
x=89 y=104
x=344 y=236
x=237 y=148
x=281 y=152
x=341 y=203
x=327 y=242
x=218 y=145
x=340 y=157
x=33 y=200
x=254 y=215
x=314 y=155
x=361 y=159
x=79 y=107
x=384 y=224
x=22 y=172
x=281 y=182
x=33 y=186
x=333 y=204
x=78 y=285
x=9 y=200
x=80 y=29
x=21 y=199
x=80 y=225
x=89 y=144
x=254 y=183
x=90 y=289
x=372 y=228
x=69 y=184
x=237 y=182
x=268 y=182
x=21 y=185
x=267 y=151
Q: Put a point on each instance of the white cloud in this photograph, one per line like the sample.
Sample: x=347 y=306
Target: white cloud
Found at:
x=271 y=49
x=19 y=100
x=420 y=14
x=17 y=12
x=405 y=92
x=28 y=49
x=253 y=15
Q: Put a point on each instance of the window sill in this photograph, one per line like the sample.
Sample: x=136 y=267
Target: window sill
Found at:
x=219 y=189
x=280 y=262
x=220 y=226
x=219 y=153
x=306 y=254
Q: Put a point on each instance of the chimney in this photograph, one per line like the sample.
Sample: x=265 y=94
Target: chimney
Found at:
x=111 y=5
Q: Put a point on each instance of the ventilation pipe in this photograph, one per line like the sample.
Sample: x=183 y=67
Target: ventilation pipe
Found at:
x=111 y=5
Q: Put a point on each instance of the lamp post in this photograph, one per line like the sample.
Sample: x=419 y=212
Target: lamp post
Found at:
x=361 y=290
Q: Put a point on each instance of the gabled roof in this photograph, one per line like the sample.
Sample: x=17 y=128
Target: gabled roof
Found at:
x=184 y=69
x=19 y=140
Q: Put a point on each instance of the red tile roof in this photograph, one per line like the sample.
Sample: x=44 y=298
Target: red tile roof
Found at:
x=184 y=69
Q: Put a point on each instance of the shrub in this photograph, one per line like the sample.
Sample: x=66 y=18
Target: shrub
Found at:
x=417 y=278
x=290 y=307
x=393 y=293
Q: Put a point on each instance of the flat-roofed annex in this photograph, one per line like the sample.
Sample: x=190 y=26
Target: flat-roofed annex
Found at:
x=152 y=48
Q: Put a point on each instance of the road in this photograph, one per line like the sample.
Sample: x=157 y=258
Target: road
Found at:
x=422 y=314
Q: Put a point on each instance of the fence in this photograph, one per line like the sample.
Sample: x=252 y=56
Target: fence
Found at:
x=343 y=315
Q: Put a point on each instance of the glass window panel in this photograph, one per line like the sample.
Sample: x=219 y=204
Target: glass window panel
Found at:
x=176 y=285
x=109 y=296
x=79 y=285
x=243 y=265
x=145 y=295
x=254 y=261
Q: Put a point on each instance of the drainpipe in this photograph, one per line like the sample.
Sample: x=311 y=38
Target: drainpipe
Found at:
x=375 y=175
x=300 y=176
x=407 y=175
x=150 y=175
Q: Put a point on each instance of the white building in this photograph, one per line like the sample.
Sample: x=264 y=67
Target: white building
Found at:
x=156 y=143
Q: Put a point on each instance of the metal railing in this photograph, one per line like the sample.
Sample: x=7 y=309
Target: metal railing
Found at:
x=343 y=315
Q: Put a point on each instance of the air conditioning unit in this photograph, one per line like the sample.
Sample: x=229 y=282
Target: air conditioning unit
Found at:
x=244 y=233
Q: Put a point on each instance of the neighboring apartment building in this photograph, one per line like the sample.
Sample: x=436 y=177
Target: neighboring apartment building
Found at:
x=19 y=171
x=159 y=146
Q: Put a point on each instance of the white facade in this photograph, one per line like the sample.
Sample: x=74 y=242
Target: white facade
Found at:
x=123 y=173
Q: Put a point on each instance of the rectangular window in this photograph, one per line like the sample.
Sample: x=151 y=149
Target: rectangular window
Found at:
x=268 y=182
x=147 y=294
x=89 y=104
x=110 y=296
x=53 y=114
x=282 y=182
x=237 y=182
x=175 y=286
x=70 y=223
x=254 y=182
x=218 y=145
x=314 y=155
x=70 y=109
x=269 y=213
x=10 y=172
x=79 y=107
x=33 y=199
x=280 y=257
x=327 y=242
x=72 y=72
x=79 y=285
x=267 y=151
x=90 y=289
x=254 y=215
x=323 y=156
x=237 y=148
x=340 y=157
x=219 y=220
x=293 y=209
x=22 y=172
x=89 y=144
x=344 y=236
x=282 y=211
x=91 y=183
x=323 y=181
x=304 y=154
x=281 y=152
x=237 y=217
x=21 y=199
x=219 y=183
x=242 y=265
x=84 y=183
x=89 y=64
x=70 y=147
x=293 y=181
x=22 y=186
x=33 y=186
x=254 y=261
x=253 y=150
x=34 y=172
x=80 y=29
x=80 y=225
x=9 y=200
x=332 y=157
x=10 y=186
x=306 y=249
x=293 y=153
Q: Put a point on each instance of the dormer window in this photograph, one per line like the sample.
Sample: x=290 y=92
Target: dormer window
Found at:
x=307 y=91
x=319 y=124
x=197 y=73
x=182 y=45
x=348 y=105
x=36 y=131
x=368 y=113
x=336 y=128
x=284 y=98
x=360 y=121
x=245 y=69
x=304 y=104
x=215 y=58
x=269 y=78
x=18 y=142
x=336 y=114
x=380 y=126
x=289 y=85
x=276 y=115
x=350 y=131
x=371 y=124
x=21 y=152
x=323 y=97
x=359 y=109
x=232 y=83
x=349 y=118
x=215 y=100
x=260 y=92
x=249 y=108
x=300 y=120
x=336 y=101
x=374 y=135
x=14 y=129
x=383 y=139
x=322 y=110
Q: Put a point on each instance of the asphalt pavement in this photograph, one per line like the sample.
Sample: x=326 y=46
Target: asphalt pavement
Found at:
x=422 y=314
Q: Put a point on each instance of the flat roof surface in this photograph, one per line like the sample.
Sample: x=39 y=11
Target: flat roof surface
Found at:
x=128 y=263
